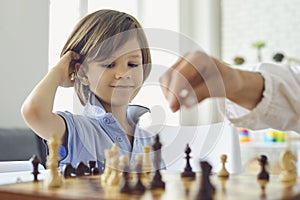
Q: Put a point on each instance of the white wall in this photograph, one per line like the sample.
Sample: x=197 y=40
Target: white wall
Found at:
x=23 y=52
x=275 y=22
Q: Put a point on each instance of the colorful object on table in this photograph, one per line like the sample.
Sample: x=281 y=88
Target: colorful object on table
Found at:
x=274 y=136
x=244 y=135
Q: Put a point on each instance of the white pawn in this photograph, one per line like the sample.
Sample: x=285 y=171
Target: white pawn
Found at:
x=108 y=163
x=114 y=177
x=223 y=172
x=288 y=168
x=54 y=179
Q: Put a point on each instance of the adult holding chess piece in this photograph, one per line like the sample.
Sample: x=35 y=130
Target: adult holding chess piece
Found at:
x=253 y=98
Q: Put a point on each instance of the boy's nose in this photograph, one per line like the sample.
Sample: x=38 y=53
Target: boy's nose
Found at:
x=125 y=74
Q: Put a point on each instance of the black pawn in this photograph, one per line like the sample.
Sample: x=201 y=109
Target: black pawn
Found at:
x=263 y=174
x=157 y=182
x=188 y=172
x=207 y=190
x=95 y=171
x=92 y=165
x=35 y=163
x=82 y=169
x=68 y=170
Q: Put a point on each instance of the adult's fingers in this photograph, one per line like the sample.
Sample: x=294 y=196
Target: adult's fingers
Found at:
x=166 y=77
x=181 y=82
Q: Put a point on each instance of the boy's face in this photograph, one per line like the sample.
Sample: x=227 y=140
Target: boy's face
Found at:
x=117 y=80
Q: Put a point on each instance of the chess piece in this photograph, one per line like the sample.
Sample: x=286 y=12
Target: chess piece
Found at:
x=147 y=166
x=188 y=172
x=223 y=172
x=207 y=190
x=35 y=163
x=82 y=169
x=157 y=182
x=92 y=165
x=287 y=159
x=125 y=187
x=114 y=178
x=68 y=171
x=95 y=171
x=263 y=174
x=139 y=186
x=107 y=168
x=54 y=179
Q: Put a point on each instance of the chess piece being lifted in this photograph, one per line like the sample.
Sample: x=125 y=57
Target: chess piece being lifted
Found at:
x=54 y=179
x=287 y=159
x=223 y=172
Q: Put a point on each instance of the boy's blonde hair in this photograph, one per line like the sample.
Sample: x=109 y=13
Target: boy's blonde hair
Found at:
x=93 y=37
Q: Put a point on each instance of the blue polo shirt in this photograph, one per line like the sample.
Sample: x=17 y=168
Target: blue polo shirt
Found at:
x=89 y=134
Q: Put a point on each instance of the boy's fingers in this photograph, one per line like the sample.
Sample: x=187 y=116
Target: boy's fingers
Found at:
x=72 y=55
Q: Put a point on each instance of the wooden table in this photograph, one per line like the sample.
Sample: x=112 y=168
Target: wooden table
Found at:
x=238 y=187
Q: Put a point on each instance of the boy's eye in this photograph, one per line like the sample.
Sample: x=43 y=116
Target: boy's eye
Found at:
x=133 y=65
x=108 y=65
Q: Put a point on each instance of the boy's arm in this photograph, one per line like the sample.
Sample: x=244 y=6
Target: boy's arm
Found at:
x=37 y=110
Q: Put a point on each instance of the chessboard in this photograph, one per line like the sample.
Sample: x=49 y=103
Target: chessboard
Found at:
x=241 y=186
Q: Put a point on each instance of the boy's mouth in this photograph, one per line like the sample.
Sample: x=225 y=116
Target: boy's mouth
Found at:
x=122 y=86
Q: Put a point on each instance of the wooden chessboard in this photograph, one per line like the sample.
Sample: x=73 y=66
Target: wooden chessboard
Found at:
x=89 y=187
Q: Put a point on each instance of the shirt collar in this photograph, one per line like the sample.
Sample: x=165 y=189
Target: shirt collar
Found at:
x=94 y=109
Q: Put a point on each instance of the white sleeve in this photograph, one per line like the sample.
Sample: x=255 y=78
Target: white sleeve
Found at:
x=280 y=105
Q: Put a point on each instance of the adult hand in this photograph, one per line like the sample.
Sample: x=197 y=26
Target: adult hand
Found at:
x=194 y=77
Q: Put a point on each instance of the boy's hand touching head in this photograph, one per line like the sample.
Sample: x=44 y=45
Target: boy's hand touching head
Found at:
x=66 y=68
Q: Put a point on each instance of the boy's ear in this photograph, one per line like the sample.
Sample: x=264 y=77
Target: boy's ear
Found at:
x=81 y=75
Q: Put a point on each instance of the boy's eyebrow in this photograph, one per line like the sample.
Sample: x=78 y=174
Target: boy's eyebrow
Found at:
x=135 y=56
x=112 y=58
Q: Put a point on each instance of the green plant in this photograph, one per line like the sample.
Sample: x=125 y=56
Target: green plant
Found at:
x=258 y=45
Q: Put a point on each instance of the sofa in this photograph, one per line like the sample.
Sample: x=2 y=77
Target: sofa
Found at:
x=20 y=144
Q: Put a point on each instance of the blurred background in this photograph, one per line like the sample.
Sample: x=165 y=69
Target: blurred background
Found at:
x=243 y=33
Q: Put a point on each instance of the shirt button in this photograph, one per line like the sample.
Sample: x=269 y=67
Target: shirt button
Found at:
x=106 y=120
x=119 y=139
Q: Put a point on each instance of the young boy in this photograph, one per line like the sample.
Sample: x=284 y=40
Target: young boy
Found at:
x=106 y=58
